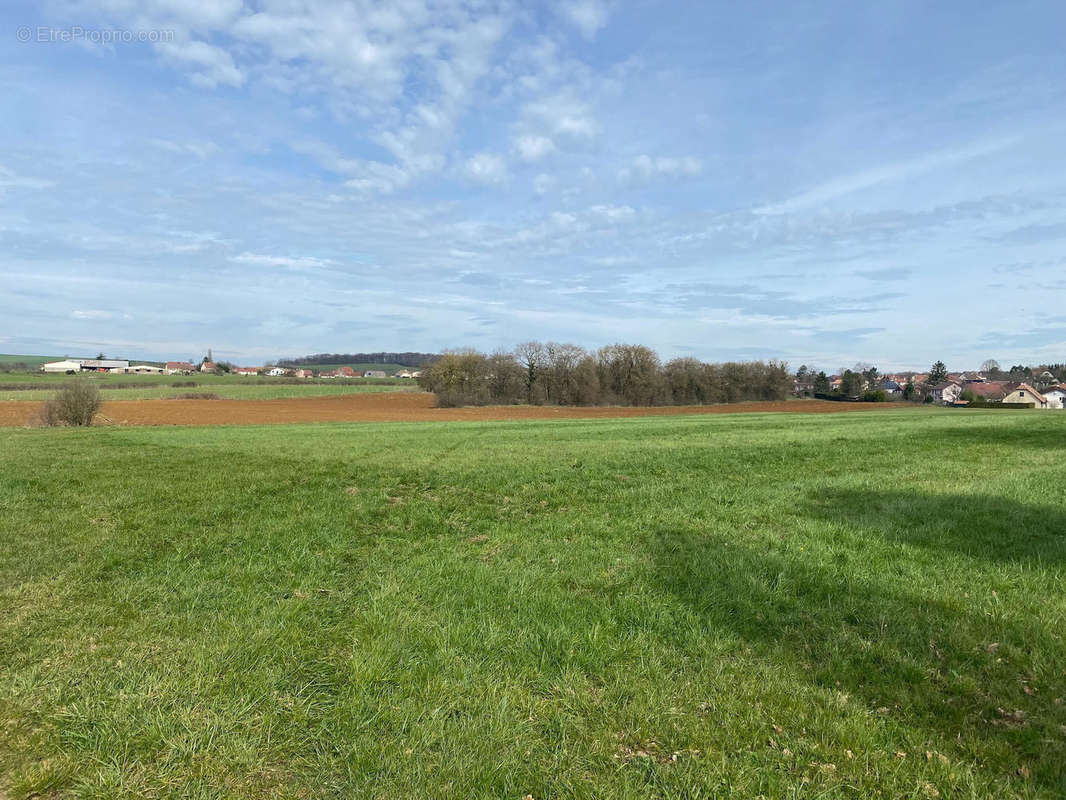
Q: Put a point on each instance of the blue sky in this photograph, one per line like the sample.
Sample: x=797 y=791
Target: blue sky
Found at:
x=817 y=181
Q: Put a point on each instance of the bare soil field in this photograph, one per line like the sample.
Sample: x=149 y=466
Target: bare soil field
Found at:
x=385 y=407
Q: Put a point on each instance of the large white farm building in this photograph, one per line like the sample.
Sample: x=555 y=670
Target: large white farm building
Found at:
x=85 y=365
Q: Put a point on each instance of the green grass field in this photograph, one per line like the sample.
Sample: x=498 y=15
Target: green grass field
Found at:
x=40 y=386
x=854 y=605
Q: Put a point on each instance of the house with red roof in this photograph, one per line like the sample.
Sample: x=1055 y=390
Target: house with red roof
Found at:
x=989 y=390
x=178 y=368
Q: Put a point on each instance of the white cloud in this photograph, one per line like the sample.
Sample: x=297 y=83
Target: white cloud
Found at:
x=614 y=213
x=288 y=262
x=648 y=167
x=210 y=65
x=486 y=168
x=588 y=16
x=199 y=149
x=887 y=173
x=92 y=314
x=359 y=60
x=534 y=148
x=10 y=180
x=543 y=183
x=564 y=115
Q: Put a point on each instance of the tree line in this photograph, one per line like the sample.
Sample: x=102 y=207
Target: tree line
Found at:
x=554 y=373
x=403 y=359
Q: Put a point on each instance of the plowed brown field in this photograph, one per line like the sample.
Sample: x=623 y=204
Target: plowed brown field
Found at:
x=382 y=407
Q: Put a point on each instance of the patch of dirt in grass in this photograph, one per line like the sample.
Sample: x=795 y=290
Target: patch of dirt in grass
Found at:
x=392 y=407
x=628 y=753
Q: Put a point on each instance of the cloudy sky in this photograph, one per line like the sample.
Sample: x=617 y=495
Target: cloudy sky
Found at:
x=818 y=181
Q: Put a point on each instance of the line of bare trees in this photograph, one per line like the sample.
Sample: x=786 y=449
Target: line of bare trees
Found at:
x=620 y=374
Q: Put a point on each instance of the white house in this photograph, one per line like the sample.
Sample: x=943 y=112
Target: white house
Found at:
x=277 y=372
x=1056 y=396
x=375 y=373
x=946 y=393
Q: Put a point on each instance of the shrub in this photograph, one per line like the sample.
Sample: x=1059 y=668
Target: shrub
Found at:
x=197 y=396
x=74 y=404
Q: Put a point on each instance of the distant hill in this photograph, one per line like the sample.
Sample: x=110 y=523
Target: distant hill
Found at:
x=19 y=362
x=363 y=361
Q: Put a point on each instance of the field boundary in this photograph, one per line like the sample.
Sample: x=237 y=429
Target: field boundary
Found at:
x=396 y=407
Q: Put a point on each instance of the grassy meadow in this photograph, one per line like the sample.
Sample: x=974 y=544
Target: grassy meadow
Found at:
x=854 y=605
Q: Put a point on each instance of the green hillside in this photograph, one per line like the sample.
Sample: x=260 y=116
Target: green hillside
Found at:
x=9 y=361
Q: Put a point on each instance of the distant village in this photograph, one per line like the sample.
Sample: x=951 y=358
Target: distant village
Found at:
x=1041 y=387
x=72 y=366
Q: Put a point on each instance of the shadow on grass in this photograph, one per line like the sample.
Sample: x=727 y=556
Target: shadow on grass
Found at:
x=981 y=527
x=1006 y=428
x=984 y=686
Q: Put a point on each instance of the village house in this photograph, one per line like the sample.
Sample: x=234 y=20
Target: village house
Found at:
x=246 y=370
x=346 y=372
x=1056 y=396
x=277 y=372
x=989 y=390
x=208 y=366
x=1024 y=393
x=303 y=373
x=946 y=393
x=891 y=388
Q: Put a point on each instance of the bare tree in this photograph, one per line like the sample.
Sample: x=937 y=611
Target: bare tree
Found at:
x=530 y=356
x=561 y=362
